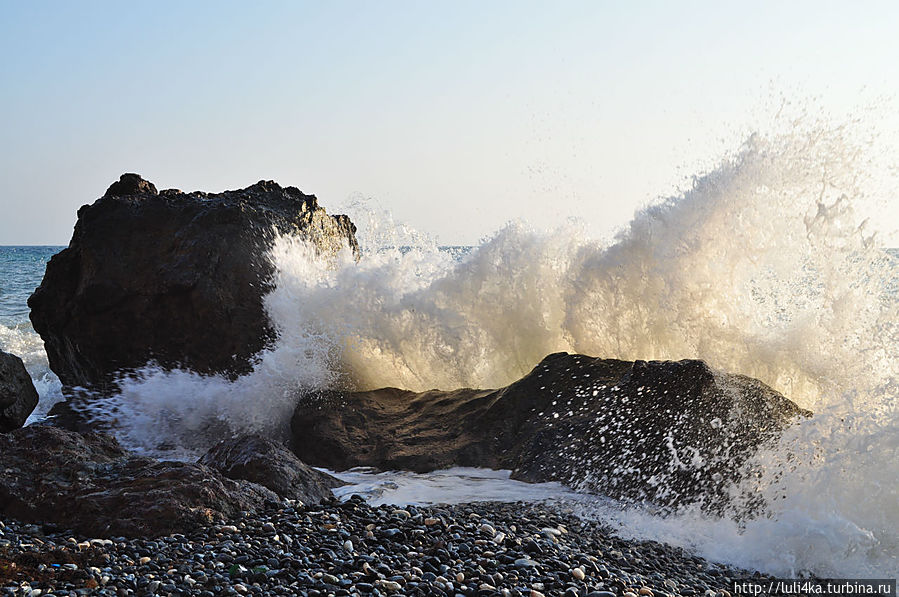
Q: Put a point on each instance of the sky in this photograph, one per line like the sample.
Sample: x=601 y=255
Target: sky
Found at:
x=456 y=116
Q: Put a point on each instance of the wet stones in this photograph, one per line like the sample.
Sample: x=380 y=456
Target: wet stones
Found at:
x=451 y=559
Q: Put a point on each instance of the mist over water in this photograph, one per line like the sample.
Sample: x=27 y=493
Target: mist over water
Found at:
x=763 y=267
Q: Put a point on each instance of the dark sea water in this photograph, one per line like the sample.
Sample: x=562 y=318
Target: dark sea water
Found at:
x=21 y=270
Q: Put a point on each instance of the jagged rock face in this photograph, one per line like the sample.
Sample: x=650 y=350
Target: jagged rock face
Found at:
x=90 y=484
x=270 y=464
x=171 y=277
x=665 y=432
x=18 y=397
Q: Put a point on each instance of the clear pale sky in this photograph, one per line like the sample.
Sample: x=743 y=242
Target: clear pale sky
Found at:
x=457 y=116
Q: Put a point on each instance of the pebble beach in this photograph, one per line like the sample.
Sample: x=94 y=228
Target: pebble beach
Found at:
x=353 y=548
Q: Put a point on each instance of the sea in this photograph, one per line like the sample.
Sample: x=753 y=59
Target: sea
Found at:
x=763 y=266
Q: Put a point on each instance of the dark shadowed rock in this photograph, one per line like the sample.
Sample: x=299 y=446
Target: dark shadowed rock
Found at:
x=173 y=278
x=663 y=431
x=17 y=394
x=268 y=463
x=90 y=484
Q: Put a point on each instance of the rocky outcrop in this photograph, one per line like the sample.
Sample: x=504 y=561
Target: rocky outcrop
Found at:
x=170 y=277
x=90 y=484
x=18 y=397
x=270 y=464
x=664 y=432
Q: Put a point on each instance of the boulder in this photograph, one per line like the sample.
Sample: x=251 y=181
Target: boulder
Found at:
x=90 y=484
x=173 y=278
x=663 y=432
x=270 y=464
x=18 y=397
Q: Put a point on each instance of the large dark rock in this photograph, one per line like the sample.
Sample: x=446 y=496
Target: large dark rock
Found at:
x=170 y=277
x=18 y=397
x=268 y=463
x=90 y=484
x=664 y=432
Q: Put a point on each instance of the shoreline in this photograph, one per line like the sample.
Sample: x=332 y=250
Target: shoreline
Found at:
x=352 y=548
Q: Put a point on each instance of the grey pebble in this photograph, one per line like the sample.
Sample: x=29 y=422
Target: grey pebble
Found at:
x=350 y=548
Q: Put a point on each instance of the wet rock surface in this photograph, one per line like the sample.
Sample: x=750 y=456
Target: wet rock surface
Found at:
x=392 y=429
x=170 y=277
x=352 y=548
x=270 y=464
x=18 y=397
x=91 y=484
x=661 y=431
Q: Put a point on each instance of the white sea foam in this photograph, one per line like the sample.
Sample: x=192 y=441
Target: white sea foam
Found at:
x=761 y=268
x=449 y=486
